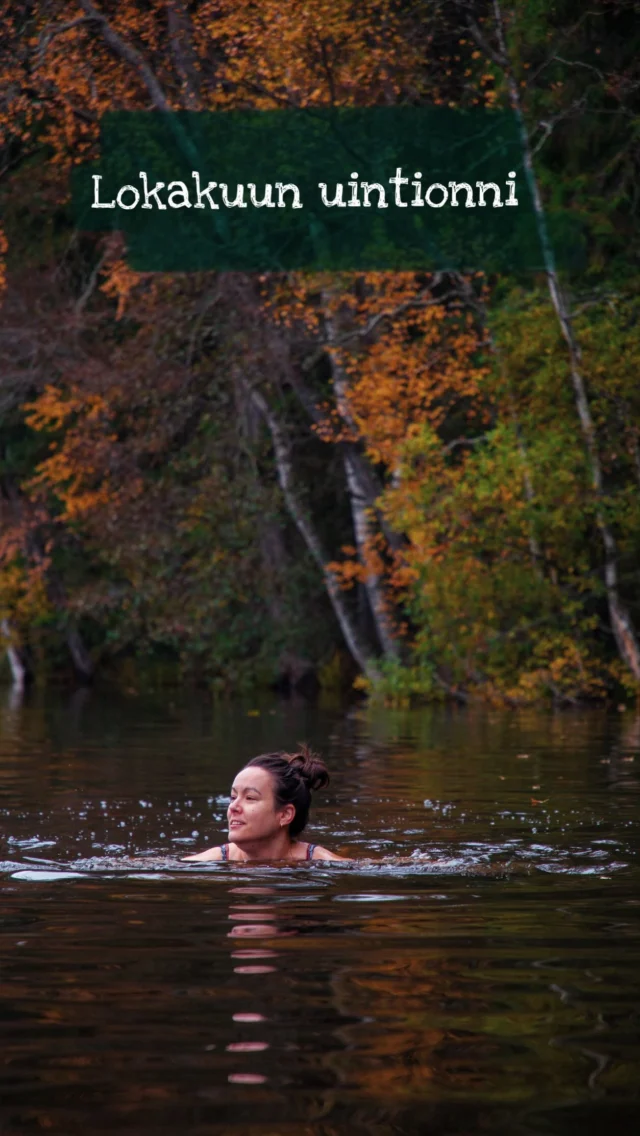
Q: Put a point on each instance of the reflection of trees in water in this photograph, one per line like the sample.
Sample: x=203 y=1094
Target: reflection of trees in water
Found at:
x=390 y=1051
x=472 y=1011
x=623 y=767
x=423 y=1019
x=367 y=1022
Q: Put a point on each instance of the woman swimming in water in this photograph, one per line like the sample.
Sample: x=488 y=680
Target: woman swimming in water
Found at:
x=269 y=808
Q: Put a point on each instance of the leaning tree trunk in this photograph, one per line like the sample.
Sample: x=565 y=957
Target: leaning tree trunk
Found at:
x=20 y=669
x=621 y=624
x=284 y=466
x=364 y=533
x=363 y=527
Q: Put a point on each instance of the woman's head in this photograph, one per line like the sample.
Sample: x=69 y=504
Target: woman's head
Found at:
x=274 y=791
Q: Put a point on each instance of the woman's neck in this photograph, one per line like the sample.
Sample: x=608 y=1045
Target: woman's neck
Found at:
x=277 y=847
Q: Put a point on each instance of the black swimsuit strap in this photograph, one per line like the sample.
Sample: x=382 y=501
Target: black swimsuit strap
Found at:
x=225 y=851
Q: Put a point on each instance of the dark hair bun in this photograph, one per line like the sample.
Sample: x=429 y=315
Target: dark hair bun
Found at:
x=311 y=767
x=295 y=777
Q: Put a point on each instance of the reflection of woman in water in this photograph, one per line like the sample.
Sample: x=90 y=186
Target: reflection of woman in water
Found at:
x=269 y=808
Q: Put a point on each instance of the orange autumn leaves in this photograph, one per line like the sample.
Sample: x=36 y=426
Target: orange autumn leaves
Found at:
x=417 y=369
x=476 y=534
x=75 y=469
x=420 y=369
x=310 y=54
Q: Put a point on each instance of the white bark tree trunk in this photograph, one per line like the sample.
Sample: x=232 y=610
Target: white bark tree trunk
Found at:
x=621 y=624
x=364 y=532
x=19 y=669
x=363 y=527
x=284 y=466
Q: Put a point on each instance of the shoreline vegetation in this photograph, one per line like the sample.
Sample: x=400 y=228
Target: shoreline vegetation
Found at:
x=424 y=485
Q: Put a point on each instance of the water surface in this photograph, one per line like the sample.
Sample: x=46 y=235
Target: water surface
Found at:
x=477 y=970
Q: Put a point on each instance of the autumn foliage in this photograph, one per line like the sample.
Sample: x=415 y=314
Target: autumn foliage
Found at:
x=247 y=478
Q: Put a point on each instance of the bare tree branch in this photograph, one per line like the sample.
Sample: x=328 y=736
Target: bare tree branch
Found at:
x=88 y=291
x=415 y=303
x=579 y=63
x=129 y=54
x=50 y=31
x=550 y=126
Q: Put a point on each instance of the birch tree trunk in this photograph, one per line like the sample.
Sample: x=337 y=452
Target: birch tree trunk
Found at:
x=20 y=670
x=621 y=624
x=364 y=532
x=363 y=527
x=370 y=485
x=284 y=466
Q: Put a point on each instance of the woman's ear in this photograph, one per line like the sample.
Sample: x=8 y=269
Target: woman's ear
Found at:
x=287 y=814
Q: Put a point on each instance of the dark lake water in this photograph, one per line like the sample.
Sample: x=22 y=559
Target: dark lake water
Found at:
x=477 y=970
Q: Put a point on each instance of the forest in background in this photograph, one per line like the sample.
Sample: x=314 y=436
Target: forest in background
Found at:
x=428 y=484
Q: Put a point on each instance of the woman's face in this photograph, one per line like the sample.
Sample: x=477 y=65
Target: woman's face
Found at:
x=252 y=812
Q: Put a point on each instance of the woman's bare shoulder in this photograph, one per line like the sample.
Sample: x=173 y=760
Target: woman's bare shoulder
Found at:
x=209 y=854
x=320 y=853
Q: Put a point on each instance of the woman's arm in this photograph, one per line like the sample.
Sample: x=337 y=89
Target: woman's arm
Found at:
x=320 y=853
x=209 y=854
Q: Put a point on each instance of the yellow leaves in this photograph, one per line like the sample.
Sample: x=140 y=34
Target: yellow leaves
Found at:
x=403 y=575
x=23 y=591
x=411 y=373
x=346 y=572
x=314 y=55
x=120 y=281
x=73 y=469
x=398 y=389
x=54 y=407
x=361 y=564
